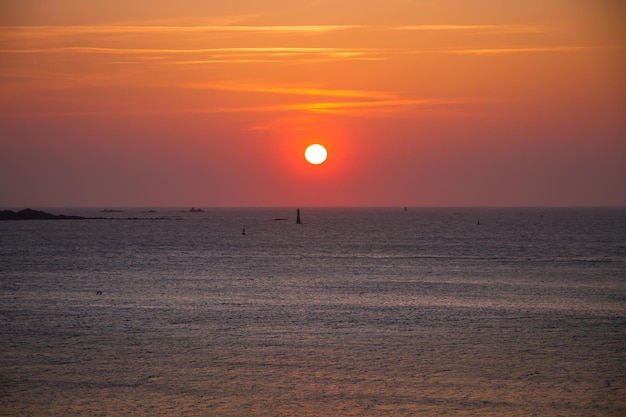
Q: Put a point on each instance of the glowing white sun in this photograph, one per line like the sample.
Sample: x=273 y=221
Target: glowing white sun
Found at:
x=315 y=154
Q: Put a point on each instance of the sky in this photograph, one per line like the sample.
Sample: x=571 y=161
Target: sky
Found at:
x=212 y=103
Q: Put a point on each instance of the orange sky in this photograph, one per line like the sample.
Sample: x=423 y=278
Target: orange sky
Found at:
x=212 y=103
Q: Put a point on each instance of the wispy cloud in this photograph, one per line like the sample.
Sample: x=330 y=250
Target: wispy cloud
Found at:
x=351 y=102
x=254 y=45
x=352 y=107
x=302 y=29
x=157 y=49
x=476 y=28
x=295 y=90
x=520 y=50
x=278 y=54
x=48 y=31
x=123 y=51
x=197 y=56
x=370 y=108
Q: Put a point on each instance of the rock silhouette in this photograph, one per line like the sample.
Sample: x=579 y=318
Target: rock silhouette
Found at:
x=30 y=214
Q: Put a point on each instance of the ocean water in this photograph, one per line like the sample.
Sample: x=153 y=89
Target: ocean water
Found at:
x=355 y=312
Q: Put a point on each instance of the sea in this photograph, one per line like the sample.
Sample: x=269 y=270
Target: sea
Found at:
x=355 y=312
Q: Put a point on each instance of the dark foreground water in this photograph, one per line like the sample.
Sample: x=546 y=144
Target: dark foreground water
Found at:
x=356 y=312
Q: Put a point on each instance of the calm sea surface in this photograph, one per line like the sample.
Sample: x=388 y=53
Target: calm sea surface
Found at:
x=355 y=312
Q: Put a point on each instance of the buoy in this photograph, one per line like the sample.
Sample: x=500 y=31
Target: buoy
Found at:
x=244 y=231
x=298 y=217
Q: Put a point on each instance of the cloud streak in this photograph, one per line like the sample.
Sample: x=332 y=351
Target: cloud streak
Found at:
x=521 y=50
x=61 y=31
x=249 y=43
x=475 y=28
x=172 y=57
x=270 y=50
x=38 y=31
x=295 y=90
x=356 y=101
x=225 y=55
x=353 y=108
x=234 y=54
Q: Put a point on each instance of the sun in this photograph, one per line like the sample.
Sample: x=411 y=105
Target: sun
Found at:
x=315 y=154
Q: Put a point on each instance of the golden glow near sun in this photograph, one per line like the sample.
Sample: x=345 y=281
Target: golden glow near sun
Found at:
x=315 y=154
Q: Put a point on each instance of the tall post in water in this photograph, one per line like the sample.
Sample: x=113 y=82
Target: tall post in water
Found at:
x=298 y=217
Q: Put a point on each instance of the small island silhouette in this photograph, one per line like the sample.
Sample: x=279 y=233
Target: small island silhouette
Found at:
x=30 y=214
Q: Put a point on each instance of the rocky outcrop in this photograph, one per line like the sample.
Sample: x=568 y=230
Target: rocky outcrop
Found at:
x=29 y=214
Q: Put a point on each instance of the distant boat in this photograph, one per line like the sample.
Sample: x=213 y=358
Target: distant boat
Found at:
x=280 y=219
x=195 y=210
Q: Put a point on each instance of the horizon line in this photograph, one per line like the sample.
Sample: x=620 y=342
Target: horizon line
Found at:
x=103 y=207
